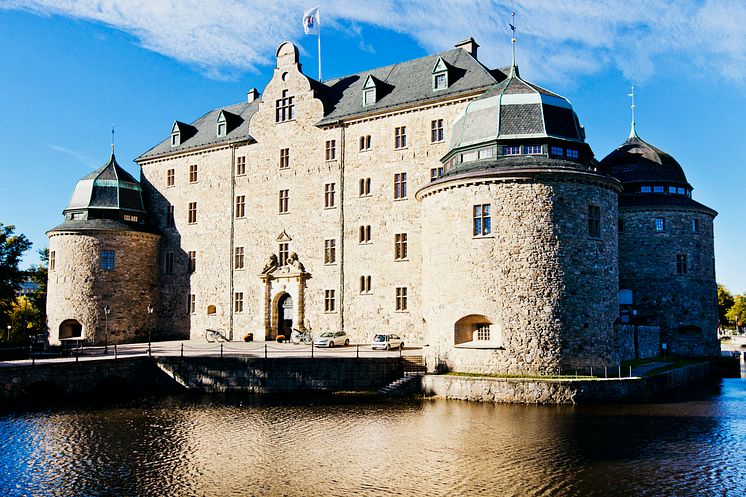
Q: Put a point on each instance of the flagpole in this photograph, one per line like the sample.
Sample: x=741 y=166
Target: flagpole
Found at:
x=318 y=38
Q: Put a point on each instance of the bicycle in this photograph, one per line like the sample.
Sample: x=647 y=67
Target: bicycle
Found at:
x=215 y=335
x=297 y=337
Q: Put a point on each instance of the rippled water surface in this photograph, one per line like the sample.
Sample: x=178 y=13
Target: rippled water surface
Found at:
x=185 y=446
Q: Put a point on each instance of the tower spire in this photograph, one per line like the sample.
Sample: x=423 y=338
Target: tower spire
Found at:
x=513 y=71
x=632 y=131
x=112 y=139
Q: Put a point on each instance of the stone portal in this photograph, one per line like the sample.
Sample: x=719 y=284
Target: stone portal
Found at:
x=283 y=297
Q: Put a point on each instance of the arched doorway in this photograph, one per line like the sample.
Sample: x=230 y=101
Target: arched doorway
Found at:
x=285 y=315
x=70 y=328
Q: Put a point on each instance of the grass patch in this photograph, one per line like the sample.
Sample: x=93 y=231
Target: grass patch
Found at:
x=523 y=376
x=678 y=363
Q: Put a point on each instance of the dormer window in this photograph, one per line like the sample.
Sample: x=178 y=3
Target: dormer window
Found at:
x=175 y=135
x=440 y=75
x=221 y=128
x=369 y=91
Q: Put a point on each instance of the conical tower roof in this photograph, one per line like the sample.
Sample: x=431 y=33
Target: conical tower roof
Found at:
x=109 y=187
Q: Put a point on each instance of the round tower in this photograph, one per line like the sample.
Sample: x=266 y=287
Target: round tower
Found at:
x=103 y=263
x=666 y=249
x=519 y=240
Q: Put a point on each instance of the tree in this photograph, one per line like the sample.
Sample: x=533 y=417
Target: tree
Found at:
x=39 y=275
x=725 y=302
x=737 y=312
x=12 y=247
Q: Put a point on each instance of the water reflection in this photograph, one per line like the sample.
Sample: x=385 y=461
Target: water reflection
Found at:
x=262 y=446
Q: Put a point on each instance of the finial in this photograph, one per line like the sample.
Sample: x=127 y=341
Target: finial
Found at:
x=112 y=139
x=632 y=131
x=513 y=28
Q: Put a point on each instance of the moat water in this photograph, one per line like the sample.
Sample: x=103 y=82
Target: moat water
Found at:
x=205 y=446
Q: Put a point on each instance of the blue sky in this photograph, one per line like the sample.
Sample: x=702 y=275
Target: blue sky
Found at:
x=71 y=69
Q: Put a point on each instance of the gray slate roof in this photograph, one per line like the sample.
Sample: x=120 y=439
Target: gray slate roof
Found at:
x=108 y=188
x=397 y=85
x=662 y=201
x=636 y=161
x=203 y=131
x=532 y=162
x=102 y=225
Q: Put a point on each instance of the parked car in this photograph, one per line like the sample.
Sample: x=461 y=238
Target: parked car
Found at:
x=387 y=341
x=332 y=338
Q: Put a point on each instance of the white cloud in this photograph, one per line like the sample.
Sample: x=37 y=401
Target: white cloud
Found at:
x=556 y=37
x=79 y=156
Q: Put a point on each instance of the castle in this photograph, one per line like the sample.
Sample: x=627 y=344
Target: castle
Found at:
x=455 y=205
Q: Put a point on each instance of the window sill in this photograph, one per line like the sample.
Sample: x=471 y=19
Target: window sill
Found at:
x=400 y=199
x=330 y=160
x=482 y=237
x=238 y=269
x=400 y=149
x=330 y=264
x=283 y=213
x=401 y=260
x=365 y=243
x=437 y=142
x=362 y=151
x=330 y=312
x=284 y=168
x=478 y=345
x=332 y=208
x=405 y=311
x=367 y=195
x=285 y=121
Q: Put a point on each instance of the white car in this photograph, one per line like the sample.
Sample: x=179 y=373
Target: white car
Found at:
x=332 y=338
x=387 y=341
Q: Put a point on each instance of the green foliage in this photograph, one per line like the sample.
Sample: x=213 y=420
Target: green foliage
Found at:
x=725 y=302
x=12 y=247
x=39 y=275
x=737 y=313
x=25 y=319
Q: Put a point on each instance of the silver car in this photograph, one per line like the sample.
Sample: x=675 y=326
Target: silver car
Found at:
x=387 y=341
x=332 y=338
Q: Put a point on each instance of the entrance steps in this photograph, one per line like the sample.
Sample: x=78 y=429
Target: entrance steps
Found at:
x=406 y=385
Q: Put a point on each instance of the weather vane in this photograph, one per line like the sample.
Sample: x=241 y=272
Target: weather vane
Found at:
x=632 y=132
x=112 y=139
x=513 y=28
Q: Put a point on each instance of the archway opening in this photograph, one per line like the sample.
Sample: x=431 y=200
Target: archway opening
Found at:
x=476 y=329
x=690 y=332
x=70 y=328
x=285 y=315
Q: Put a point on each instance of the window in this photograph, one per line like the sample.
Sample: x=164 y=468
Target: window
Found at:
x=192 y=216
x=681 y=267
x=130 y=218
x=511 y=150
x=331 y=149
x=401 y=298
x=107 y=260
x=681 y=191
x=660 y=224
x=364 y=187
x=170 y=177
x=436 y=172
x=238 y=260
x=558 y=151
x=175 y=139
x=170 y=215
x=620 y=225
x=192 y=303
x=240 y=206
x=482 y=332
x=330 y=251
x=369 y=96
x=645 y=189
x=192 y=261
x=193 y=173
x=284 y=158
x=400 y=137
x=695 y=225
x=365 y=286
x=329 y=195
x=284 y=198
x=283 y=252
x=400 y=185
x=436 y=130
x=284 y=108
x=240 y=165
x=168 y=263
x=657 y=189
x=594 y=221
x=221 y=129
x=330 y=304
x=532 y=149
x=482 y=220
x=671 y=189
x=364 y=143
x=52 y=260
x=238 y=302
x=439 y=82
x=365 y=234
x=400 y=246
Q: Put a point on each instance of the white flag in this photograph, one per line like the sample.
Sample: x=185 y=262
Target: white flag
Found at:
x=311 y=21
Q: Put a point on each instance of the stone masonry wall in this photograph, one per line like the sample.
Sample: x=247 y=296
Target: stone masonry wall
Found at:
x=647 y=265
x=547 y=288
x=79 y=288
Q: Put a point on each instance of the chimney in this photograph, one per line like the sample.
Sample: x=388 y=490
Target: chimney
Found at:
x=252 y=95
x=469 y=45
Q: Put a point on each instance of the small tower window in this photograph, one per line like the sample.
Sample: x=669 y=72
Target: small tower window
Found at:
x=107 y=260
x=572 y=153
x=175 y=135
x=657 y=189
x=532 y=149
x=510 y=151
x=645 y=189
x=660 y=225
x=440 y=75
x=482 y=220
x=369 y=91
x=681 y=265
x=594 y=221
x=695 y=225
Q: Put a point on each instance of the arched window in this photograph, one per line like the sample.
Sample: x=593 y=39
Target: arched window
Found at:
x=478 y=331
x=70 y=328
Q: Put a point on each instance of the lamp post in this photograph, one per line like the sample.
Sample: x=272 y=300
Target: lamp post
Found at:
x=8 y=339
x=150 y=324
x=107 y=311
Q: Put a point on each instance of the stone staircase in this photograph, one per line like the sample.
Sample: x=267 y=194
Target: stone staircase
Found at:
x=407 y=385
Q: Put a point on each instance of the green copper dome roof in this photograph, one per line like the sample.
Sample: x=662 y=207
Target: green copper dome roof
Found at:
x=107 y=188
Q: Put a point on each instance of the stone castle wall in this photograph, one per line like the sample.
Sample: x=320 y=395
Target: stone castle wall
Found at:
x=662 y=297
x=547 y=288
x=79 y=288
